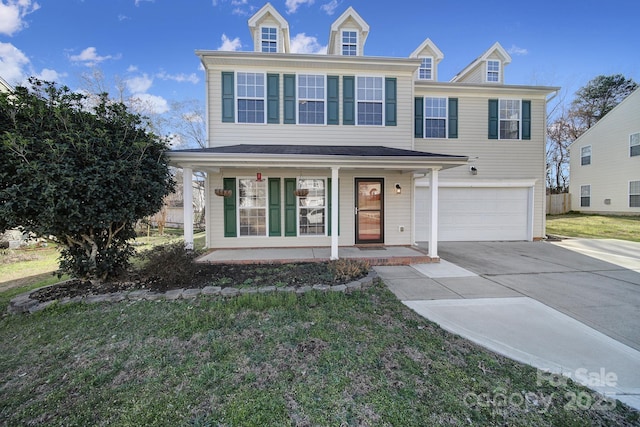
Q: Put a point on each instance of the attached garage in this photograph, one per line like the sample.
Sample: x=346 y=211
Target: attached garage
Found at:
x=493 y=211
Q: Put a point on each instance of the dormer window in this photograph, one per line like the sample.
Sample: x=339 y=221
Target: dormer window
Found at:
x=269 y=39
x=349 y=43
x=493 y=71
x=426 y=69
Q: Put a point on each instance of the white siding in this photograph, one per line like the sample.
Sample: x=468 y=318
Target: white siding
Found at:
x=397 y=211
x=494 y=159
x=611 y=167
x=399 y=136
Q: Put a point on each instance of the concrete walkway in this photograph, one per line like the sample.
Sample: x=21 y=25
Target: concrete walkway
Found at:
x=498 y=294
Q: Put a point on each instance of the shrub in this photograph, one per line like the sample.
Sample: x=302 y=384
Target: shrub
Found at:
x=169 y=265
x=348 y=269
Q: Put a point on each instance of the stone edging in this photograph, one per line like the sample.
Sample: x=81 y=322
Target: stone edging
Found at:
x=23 y=303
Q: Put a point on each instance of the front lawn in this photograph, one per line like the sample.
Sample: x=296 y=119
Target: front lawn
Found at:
x=278 y=359
x=594 y=226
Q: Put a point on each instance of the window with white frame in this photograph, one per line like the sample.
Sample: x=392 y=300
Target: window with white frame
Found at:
x=493 y=71
x=252 y=207
x=435 y=117
x=585 y=155
x=634 y=194
x=585 y=196
x=369 y=99
x=311 y=99
x=634 y=144
x=349 y=43
x=312 y=209
x=425 y=72
x=269 y=39
x=510 y=116
x=250 y=92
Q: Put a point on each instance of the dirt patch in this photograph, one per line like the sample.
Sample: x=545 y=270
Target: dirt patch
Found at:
x=223 y=275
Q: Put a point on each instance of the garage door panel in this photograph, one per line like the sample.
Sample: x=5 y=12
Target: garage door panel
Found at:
x=475 y=214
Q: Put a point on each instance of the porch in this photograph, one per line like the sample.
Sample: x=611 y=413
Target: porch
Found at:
x=375 y=255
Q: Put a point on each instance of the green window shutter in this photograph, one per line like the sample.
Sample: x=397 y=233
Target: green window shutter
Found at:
x=390 y=101
x=289 y=98
x=493 y=119
x=333 y=104
x=275 y=227
x=290 y=220
x=419 y=116
x=230 y=208
x=453 y=117
x=273 y=98
x=526 y=119
x=228 y=107
x=348 y=100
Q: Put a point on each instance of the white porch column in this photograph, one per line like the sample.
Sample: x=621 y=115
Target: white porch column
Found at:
x=433 y=225
x=187 y=191
x=334 y=212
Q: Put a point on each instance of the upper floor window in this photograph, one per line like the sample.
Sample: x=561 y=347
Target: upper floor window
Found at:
x=585 y=196
x=425 y=71
x=369 y=99
x=493 y=71
x=634 y=194
x=510 y=115
x=252 y=207
x=269 y=39
x=585 y=155
x=311 y=99
x=349 y=43
x=250 y=92
x=634 y=144
x=312 y=209
x=435 y=117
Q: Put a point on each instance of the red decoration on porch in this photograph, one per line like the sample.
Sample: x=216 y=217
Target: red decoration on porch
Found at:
x=259 y=177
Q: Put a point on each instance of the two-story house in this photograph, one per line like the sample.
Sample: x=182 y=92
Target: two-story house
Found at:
x=604 y=163
x=346 y=149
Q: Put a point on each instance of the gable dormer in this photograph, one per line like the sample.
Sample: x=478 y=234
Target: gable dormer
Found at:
x=269 y=30
x=431 y=57
x=488 y=68
x=348 y=34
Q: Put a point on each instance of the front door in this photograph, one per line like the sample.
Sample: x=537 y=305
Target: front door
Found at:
x=369 y=210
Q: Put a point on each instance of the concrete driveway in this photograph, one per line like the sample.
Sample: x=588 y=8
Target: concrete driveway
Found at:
x=571 y=306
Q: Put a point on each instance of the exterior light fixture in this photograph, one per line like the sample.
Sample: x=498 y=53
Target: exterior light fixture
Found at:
x=398 y=189
x=473 y=170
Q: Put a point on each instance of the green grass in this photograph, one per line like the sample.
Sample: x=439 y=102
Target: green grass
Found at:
x=279 y=359
x=595 y=226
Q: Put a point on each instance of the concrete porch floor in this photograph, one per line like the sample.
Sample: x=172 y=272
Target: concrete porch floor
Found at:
x=376 y=255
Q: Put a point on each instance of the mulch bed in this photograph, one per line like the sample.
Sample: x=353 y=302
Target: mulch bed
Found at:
x=223 y=275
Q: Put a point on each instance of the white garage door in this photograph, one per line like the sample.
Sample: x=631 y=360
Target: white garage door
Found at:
x=475 y=214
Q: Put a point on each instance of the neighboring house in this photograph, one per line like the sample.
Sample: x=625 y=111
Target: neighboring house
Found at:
x=380 y=145
x=4 y=86
x=604 y=162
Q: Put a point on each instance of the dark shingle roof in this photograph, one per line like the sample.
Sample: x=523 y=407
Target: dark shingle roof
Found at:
x=316 y=150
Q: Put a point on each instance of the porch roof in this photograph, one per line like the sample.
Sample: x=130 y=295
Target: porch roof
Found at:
x=313 y=156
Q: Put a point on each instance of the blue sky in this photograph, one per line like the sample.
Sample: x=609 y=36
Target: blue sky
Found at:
x=148 y=45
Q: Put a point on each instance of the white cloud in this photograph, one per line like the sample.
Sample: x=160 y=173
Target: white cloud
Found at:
x=330 y=8
x=145 y=103
x=139 y=2
x=50 y=75
x=123 y=18
x=132 y=69
x=230 y=45
x=302 y=43
x=239 y=2
x=292 y=5
x=89 y=57
x=180 y=78
x=519 y=51
x=140 y=84
x=12 y=63
x=12 y=15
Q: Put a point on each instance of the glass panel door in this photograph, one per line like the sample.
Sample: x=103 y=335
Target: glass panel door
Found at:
x=369 y=210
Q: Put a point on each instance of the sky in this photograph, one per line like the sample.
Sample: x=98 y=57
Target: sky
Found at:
x=148 y=46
